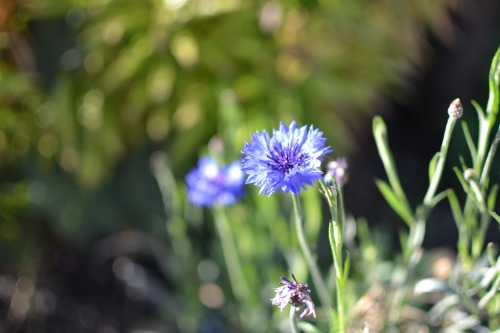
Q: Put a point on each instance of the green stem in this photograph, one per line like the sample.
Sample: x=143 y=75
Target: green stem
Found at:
x=411 y=250
x=489 y=159
x=333 y=195
x=322 y=292
x=233 y=265
x=436 y=178
x=335 y=232
x=293 y=320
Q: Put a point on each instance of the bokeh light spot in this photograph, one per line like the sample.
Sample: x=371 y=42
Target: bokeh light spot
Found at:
x=157 y=126
x=69 y=159
x=187 y=115
x=207 y=270
x=20 y=143
x=211 y=295
x=47 y=145
x=185 y=50
x=89 y=114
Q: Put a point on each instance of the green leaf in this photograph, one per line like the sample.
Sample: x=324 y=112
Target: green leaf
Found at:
x=462 y=163
x=469 y=140
x=394 y=201
x=494 y=81
x=437 y=198
x=331 y=239
x=495 y=215
x=432 y=165
x=347 y=265
x=455 y=208
x=479 y=110
x=396 y=195
x=492 y=197
x=380 y=134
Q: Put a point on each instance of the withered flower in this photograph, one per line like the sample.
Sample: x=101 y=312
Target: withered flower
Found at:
x=297 y=294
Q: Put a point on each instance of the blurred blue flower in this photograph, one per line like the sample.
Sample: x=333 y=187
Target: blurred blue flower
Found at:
x=286 y=161
x=211 y=184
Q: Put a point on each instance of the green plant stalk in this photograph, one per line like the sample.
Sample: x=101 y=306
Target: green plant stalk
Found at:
x=333 y=196
x=233 y=265
x=293 y=320
x=416 y=233
x=380 y=134
x=479 y=190
x=321 y=289
x=436 y=178
x=489 y=159
x=486 y=123
x=335 y=235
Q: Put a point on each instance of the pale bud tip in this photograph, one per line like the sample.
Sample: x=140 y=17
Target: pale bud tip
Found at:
x=469 y=174
x=456 y=110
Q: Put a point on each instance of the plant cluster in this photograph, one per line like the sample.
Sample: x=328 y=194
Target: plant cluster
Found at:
x=464 y=294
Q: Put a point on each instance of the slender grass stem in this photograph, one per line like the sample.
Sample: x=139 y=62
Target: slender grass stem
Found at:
x=233 y=265
x=322 y=292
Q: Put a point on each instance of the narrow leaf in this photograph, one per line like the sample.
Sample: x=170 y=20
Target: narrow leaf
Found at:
x=455 y=208
x=494 y=81
x=432 y=165
x=347 y=265
x=492 y=197
x=392 y=199
x=479 y=110
x=438 y=197
x=331 y=239
x=380 y=135
x=462 y=163
x=468 y=139
x=495 y=216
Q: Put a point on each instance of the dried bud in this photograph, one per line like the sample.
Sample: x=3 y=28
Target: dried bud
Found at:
x=456 y=110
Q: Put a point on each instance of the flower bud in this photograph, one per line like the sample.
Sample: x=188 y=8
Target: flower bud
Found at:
x=469 y=174
x=455 y=110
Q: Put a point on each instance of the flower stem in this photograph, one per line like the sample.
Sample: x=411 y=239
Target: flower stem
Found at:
x=323 y=295
x=293 y=320
x=333 y=195
x=431 y=191
x=233 y=265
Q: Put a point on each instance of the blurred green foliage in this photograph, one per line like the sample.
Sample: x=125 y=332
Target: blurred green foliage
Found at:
x=90 y=89
x=85 y=83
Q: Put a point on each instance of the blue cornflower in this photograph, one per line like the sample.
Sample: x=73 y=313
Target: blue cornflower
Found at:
x=211 y=183
x=286 y=161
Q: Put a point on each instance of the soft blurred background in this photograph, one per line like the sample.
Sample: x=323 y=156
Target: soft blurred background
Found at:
x=106 y=105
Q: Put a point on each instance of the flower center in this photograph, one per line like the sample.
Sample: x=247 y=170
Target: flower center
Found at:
x=285 y=159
